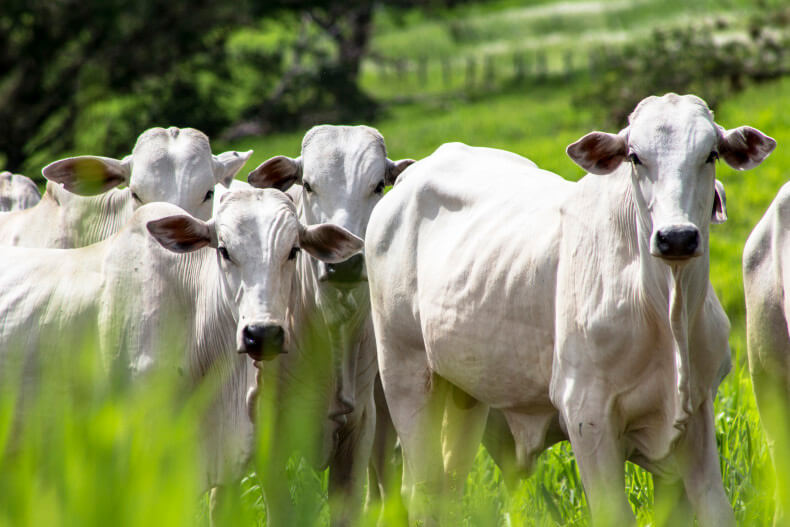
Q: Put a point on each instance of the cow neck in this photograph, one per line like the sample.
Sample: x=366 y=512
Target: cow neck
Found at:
x=674 y=293
x=205 y=292
x=341 y=318
x=85 y=220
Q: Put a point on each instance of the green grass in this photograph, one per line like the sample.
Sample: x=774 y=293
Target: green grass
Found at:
x=494 y=31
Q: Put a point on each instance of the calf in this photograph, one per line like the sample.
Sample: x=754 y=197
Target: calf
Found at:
x=582 y=311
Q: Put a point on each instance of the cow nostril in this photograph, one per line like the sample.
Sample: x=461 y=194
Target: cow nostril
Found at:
x=677 y=242
x=263 y=341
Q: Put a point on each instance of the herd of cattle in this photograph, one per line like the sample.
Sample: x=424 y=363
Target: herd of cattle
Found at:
x=495 y=302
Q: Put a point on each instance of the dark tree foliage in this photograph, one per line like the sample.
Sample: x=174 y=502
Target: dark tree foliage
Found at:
x=93 y=74
x=50 y=50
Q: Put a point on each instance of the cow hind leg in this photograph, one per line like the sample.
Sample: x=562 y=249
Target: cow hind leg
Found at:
x=498 y=441
x=416 y=398
x=462 y=431
x=347 y=467
x=769 y=365
x=386 y=465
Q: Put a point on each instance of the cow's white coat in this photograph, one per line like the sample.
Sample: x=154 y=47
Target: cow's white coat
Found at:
x=499 y=285
x=17 y=192
x=339 y=178
x=148 y=307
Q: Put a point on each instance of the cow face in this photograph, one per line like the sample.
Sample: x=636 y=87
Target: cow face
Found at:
x=343 y=171
x=256 y=235
x=173 y=165
x=671 y=146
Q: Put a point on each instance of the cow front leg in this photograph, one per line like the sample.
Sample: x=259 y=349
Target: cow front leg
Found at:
x=597 y=446
x=698 y=460
x=348 y=465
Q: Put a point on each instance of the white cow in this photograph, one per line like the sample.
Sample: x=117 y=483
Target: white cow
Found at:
x=765 y=277
x=327 y=381
x=17 y=192
x=149 y=306
x=174 y=165
x=580 y=310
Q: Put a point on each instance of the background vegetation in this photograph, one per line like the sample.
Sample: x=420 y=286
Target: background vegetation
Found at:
x=127 y=457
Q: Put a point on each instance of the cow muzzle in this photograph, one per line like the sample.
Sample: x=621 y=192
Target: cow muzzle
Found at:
x=263 y=341
x=347 y=272
x=676 y=242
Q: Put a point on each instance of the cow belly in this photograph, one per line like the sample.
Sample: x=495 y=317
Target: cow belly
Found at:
x=504 y=365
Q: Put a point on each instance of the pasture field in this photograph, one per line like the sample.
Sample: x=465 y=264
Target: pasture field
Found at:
x=97 y=454
x=104 y=453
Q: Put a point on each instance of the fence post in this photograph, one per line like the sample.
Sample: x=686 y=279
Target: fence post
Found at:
x=541 y=66
x=490 y=74
x=446 y=72
x=422 y=71
x=400 y=67
x=470 y=71
x=518 y=65
x=568 y=63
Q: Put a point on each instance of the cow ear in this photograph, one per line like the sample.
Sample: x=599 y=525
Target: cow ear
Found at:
x=598 y=152
x=745 y=147
x=279 y=172
x=183 y=233
x=329 y=243
x=89 y=175
x=394 y=168
x=719 y=203
x=227 y=164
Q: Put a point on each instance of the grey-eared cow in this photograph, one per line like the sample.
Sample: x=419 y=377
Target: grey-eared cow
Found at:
x=582 y=311
x=766 y=269
x=327 y=380
x=17 y=192
x=173 y=165
x=170 y=292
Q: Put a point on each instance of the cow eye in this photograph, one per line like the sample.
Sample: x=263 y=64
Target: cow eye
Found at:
x=136 y=198
x=712 y=157
x=379 y=188
x=209 y=195
x=634 y=159
x=224 y=252
x=293 y=253
x=307 y=187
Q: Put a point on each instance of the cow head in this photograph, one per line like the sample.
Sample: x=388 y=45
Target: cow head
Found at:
x=17 y=192
x=343 y=171
x=671 y=146
x=173 y=165
x=256 y=235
